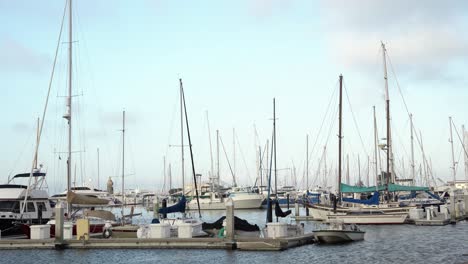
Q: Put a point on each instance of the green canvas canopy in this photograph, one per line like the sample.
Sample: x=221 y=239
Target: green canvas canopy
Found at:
x=345 y=188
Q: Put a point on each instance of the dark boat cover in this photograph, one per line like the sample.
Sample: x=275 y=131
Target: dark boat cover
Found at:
x=176 y=208
x=279 y=212
x=239 y=224
x=373 y=200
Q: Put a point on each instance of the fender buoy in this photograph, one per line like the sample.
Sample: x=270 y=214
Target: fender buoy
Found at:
x=107 y=233
x=221 y=233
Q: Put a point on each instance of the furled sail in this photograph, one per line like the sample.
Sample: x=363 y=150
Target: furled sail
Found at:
x=75 y=198
x=279 y=212
x=374 y=199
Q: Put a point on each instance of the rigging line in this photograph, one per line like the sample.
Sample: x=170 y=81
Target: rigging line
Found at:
x=404 y=101
x=354 y=120
x=400 y=141
x=44 y=112
x=171 y=127
x=332 y=126
x=227 y=159
x=459 y=138
x=243 y=158
x=324 y=117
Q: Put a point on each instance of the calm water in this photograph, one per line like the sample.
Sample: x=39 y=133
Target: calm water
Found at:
x=382 y=244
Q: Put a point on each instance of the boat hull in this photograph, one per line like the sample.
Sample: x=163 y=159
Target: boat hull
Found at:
x=338 y=236
x=369 y=219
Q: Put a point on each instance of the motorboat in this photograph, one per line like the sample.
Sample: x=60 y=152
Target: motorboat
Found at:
x=21 y=204
x=338 y=232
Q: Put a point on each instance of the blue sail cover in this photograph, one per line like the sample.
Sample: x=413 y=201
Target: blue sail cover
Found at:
x=373 y=200
x=176 y=208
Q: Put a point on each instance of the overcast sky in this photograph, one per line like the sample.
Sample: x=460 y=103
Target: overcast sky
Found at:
x=234 y=57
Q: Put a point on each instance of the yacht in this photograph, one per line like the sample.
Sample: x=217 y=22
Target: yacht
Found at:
x=12 y=199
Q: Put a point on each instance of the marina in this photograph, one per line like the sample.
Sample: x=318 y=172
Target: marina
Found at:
x=233 y=132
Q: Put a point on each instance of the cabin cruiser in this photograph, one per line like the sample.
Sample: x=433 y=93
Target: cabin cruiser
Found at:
x=35 y=200
x=338 y=232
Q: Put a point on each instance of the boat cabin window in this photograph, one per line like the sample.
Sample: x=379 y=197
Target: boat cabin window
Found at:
x=30 y=207
x=41 y=206
x=9 y=206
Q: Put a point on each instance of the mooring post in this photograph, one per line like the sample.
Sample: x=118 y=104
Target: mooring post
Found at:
x=296 y=206
x=287 y=197
x=164 y=205
x=59 y=218
x=155 y=207
x=229 y=219
x=453 y=214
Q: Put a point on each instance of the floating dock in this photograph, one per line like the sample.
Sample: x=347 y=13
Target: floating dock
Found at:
x=252 y=244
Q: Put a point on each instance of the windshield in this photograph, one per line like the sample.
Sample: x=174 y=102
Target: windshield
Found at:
x=9 y=206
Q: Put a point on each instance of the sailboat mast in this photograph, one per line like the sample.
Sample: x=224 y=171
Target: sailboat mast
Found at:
x=217 y=157
x=375 y=150
x=465 y=147
x=340 y=123
x=190 y=147
x=182 y=136
x=98 y=169
x=307 y=163
x=68 y=115
x=211 y=149
x=387 y=106
x=123 y=159
x=412 y=150
x=274 y=150
x=454 y=172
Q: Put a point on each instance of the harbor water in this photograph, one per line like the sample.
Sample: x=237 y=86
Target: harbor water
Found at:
x=382 y=244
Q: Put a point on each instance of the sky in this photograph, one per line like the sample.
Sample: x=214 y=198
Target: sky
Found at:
x=234 y=57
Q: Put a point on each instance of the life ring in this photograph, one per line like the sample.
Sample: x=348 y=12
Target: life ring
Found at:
x=107 y=233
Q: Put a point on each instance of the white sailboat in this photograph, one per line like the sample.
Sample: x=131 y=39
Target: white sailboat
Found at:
x=360 y=215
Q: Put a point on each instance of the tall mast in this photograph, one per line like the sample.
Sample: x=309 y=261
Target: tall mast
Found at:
x=182 y=137
x=465 y=149
x=211 y=149
x=68 y=114
x=217 y=156
x=234 y=152
x=123 y=159
x=170 y=177
x=359 y=169
x=340 y=124
x=375 y=149
x=387 y=106
x=454 y=172
x=368 y=171
x=98 y=169
x=413 y=173
x=274 y=151
x=190 y=147
x=164 y=174
x=307 y=163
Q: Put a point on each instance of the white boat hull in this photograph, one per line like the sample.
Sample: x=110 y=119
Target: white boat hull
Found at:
x=369 y=219
x=338 y=236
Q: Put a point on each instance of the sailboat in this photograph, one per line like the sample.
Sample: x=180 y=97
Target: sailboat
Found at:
x=97 y=222
x=194 y=223
x=356 y=215
x=242 y=197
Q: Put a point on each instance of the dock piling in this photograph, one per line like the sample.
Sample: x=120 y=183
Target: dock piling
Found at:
x=229 y=219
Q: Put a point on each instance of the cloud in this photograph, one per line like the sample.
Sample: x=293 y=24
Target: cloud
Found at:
x=422 y=37
x=14 y=57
